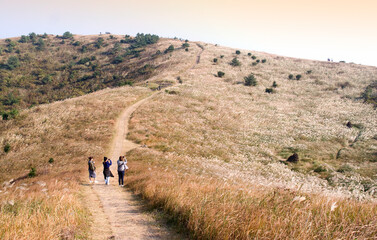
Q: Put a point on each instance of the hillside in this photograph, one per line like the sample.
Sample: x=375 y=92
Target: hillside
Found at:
x=216 y=148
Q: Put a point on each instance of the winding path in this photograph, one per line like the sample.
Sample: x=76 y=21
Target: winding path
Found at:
x=117 y=213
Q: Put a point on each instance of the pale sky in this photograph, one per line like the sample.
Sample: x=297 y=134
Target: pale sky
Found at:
x=313 y=29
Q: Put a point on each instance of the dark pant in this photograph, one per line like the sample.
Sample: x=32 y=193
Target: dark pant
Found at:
x=121 y=177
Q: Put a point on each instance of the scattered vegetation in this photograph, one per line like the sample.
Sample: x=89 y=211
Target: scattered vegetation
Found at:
x=298 y=76
x=7 y=148
x=290 y=76
x=215 y=60
x=235 y=62
x=238 y=52
x=220 y=74
x=250 y=80
x=169 y=49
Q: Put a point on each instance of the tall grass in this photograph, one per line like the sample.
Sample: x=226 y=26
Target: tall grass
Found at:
x=211 y=208
x=50 y=205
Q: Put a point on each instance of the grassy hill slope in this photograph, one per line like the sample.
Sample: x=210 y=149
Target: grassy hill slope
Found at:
x=215 y=160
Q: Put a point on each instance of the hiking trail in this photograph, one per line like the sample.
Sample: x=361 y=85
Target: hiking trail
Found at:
x=117 y=213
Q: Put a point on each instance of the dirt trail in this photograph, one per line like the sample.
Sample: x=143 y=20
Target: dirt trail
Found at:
x=117 y=213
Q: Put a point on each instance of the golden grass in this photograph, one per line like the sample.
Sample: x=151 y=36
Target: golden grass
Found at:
x=49 y=206
x=216 y=146
x=212 y=208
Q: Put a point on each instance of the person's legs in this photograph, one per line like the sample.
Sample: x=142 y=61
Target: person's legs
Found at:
x=119 y=176
x=122 y=178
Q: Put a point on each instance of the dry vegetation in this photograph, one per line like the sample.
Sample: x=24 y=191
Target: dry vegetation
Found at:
x=49 y=206
x=216 y=152
x=218 y=148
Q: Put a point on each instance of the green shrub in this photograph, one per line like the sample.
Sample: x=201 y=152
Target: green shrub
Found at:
x=186 y=49
x=13 y=62
x=83 y=61
x=238 y=52
x=185 y=45
x=298 y=76
x=117 y=60
x=10 y=99
x=47 y=79
x=7 y=148
x=99 y=43
x=40 y=44
x=215 y=60
x=253 y=57
x=169 y=49
x=67 y=35
x=274 y=84
x=24 y=39
x=179 y=79
x=290 y=76
x=254 y=63
x=270 y=90
x=309 y=72
x=250 y=80
x=51 y=160
x=32 y=173
x=221 y=56
x=77 y=43
x=220 y=74
x=249 y=54
x=264 y=60
x=235 y=62
x=257 y=61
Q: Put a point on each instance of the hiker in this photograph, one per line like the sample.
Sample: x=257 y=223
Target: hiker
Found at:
x=92 y=170
x=122 y=161
x=106 y=170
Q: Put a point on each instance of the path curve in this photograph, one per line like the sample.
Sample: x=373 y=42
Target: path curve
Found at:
x=122 y=215
x=117 y=213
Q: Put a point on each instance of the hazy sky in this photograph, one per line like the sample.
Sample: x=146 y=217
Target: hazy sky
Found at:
x=313 y=29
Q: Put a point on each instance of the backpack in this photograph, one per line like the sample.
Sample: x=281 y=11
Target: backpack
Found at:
x=91 y=166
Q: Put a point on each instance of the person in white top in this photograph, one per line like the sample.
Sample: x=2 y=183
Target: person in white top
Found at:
x=122 y=167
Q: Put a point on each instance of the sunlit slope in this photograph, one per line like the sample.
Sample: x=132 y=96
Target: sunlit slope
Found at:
x=243 y=133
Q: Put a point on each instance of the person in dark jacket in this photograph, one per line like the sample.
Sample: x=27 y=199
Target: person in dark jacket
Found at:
x=106 y=170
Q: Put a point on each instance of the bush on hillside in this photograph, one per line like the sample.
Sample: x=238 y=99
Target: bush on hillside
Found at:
x=264 y=60
x=185 y=45
x=258 y=61
x=254 y=63
x=40 y=44
x=7 y=148
x=82 y=61
x=186 y=49
x=67 y=35
x=220 y=74
x=13 y=62
x=250 y=80
x=215 y=60
x=169 y=49
x=117 y=60
x=298 y=76
x=99 y=43
x=270 y=90
x=253 y=57
x=238 y=52
x=290 y=76
x=32 y=173
x=274 y=84
x=249 y=54
x=235 y=62
x=221 y=56
x=51 y=160
x=24 y=39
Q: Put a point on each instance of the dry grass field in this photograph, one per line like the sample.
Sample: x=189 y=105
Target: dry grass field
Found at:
x=215 y=161
x=217 y=149
x=50 y=205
